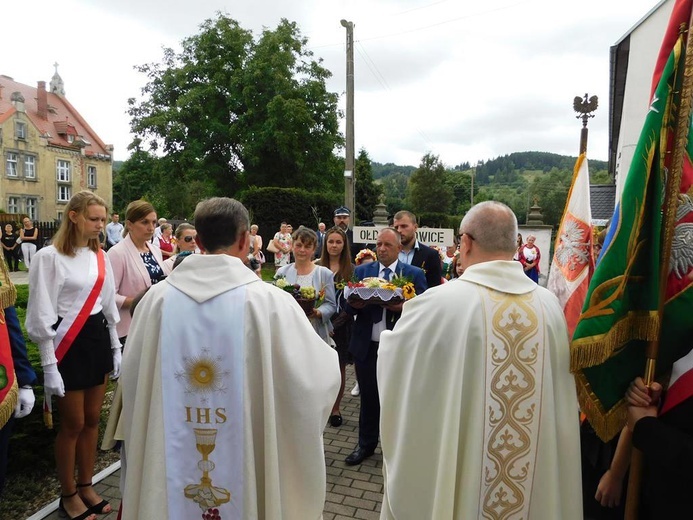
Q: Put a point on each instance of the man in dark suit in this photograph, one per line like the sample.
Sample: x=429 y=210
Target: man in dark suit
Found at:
x=413 y=252
x=371 y=320
x=321 y=239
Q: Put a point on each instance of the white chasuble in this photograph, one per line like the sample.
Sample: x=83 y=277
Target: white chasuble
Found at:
x=479 y=416
x=202 y=374
x=513 y=382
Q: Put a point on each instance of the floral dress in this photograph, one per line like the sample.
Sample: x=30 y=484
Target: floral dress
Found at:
x=281 y=259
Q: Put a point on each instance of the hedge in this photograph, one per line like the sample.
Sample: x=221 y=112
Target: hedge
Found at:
x=270 y=206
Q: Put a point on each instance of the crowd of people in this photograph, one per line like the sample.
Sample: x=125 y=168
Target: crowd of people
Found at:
x=466 y=387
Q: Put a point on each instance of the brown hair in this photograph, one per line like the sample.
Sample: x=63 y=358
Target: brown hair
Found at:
x=66 y=237
x=305 y=235
x=404 y=213
x=345 y=267
x=135 y=211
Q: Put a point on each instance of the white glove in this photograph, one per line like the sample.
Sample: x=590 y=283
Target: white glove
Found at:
x=53 y=381
x=25 y=403
x=117 y=361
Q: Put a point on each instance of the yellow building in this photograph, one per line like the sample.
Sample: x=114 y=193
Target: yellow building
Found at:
x=49 y=152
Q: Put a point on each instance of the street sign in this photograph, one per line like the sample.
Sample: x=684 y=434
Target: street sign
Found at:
x=430 y=236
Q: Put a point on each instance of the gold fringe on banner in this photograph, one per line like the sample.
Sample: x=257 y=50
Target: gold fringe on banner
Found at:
x=8 y=405
x=8 y=292
x=594 y=350
x=606 y=424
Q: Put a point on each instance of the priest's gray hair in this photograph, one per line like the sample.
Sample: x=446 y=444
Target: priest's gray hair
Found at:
x=219 y=222
x=493 y=227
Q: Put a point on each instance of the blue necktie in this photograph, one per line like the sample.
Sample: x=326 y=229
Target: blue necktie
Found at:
x=378 y=311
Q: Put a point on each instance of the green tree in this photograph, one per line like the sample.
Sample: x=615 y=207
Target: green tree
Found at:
x=234 y=111
x=551 y=191
x=427 y=191
x=134 y=178
x=395 y=190
x=460 y=185
x=367 y=192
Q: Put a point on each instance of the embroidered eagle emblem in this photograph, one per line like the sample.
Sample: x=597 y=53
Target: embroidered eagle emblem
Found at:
x=572 y=252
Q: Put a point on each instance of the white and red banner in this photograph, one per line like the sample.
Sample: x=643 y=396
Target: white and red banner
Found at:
x=572 y=265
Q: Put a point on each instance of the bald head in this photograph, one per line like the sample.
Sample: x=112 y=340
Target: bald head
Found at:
x=492 y=226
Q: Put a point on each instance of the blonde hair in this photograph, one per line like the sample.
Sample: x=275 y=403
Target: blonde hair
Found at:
x=66 y=236
x=183 y=226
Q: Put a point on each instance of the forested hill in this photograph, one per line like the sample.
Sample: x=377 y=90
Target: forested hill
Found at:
x=503 y=169
x=501 y=166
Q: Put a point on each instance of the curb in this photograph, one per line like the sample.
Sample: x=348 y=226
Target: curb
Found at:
x=53 y=506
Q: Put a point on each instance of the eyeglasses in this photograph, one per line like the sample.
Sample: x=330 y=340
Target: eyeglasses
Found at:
x=459 y=237
x=189 y=238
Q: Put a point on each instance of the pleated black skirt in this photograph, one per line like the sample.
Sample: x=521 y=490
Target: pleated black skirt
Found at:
x=90 y=358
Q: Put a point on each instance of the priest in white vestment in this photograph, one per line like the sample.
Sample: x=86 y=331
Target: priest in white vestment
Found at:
x=226 y=390
x=479 y=410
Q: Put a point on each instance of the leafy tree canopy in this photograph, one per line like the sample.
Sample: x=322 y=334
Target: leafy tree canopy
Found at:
x=230 y=111
x=427 y=191
x=367 y=192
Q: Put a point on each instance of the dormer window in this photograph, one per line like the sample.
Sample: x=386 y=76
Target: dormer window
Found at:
x=20 y=130
x=70 y=138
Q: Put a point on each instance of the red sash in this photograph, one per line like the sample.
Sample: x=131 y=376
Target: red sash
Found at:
x=83 y=314
x=8 y=379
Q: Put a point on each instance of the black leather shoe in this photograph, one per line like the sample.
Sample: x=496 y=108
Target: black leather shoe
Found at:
x=335 y=420
x=358 y=456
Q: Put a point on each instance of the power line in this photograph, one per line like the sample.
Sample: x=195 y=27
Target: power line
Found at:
x=383 y=83
x=420 y=7
x=426 y=27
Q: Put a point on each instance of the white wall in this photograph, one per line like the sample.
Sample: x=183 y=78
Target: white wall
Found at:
x=645 y=41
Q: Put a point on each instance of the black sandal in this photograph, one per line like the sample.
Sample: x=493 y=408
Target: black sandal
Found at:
x=63 y=512
x=97 y=509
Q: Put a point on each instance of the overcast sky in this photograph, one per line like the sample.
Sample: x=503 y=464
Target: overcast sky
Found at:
x=466 y=80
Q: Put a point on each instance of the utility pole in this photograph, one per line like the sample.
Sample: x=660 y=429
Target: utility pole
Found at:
x=585 y=109
x=349 y=178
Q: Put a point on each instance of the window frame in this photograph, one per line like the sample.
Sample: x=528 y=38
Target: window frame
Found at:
x=23 y=126
x=27 y=158
x=31 y=209
x=68 y=190
x=91 y=172
x=16 y=207
x=9 y=161
x=64 y=168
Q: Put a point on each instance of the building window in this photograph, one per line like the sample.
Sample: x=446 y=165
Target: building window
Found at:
x=91 y=176
x=13 y=205
x=29 y=167
x=20 y=130
x=63 y=171
x=12 y=160
x=63 y=193
x=59 y=216
x=31 y=208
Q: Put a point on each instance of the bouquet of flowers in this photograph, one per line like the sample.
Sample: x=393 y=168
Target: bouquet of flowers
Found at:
x=380 y=291
x=307 y=296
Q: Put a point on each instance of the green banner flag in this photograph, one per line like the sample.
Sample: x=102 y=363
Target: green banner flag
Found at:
x=620 y=313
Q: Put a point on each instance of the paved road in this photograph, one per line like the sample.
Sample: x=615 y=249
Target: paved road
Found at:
x=20 y=278
x=352 y=491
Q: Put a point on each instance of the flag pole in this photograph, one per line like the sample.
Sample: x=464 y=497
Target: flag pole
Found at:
x=671 y=195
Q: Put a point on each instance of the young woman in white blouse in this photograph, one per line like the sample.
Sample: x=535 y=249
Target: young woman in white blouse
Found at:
x=72 y=316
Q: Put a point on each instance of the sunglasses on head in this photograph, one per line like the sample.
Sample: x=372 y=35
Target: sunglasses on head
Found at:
x=189 y=238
